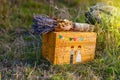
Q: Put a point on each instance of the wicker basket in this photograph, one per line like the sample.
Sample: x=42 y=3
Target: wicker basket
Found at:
x=69 y=47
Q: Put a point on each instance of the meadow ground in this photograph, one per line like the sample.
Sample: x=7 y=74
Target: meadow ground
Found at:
x=20 y=50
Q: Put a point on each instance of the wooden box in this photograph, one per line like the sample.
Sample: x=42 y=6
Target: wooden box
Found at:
x=68 y=47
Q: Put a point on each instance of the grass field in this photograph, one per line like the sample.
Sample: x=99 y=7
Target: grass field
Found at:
x=20 y=50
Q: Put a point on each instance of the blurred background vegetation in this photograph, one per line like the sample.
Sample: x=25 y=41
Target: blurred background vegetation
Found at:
x=19 y=13
x=20 y=50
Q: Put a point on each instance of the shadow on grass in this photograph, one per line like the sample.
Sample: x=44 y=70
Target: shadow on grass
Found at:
x=21 y=57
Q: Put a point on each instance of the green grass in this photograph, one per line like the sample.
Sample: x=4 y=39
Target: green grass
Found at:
x=20 y=51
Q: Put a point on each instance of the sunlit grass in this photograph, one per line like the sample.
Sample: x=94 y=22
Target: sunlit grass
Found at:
x=20 y=51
